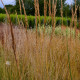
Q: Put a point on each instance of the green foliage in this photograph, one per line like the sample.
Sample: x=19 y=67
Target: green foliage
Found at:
x=31 y=20
x=30 y=10
x=59 y=7
x=2 y=10
x=2 y=17
x=77 y=2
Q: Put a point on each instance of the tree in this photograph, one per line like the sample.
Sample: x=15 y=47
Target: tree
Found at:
x=29 y=6
x=30 y=10
x=10 y=8
x=67 y=11
x=59 y=6
x=2 y=10
x=78 y=4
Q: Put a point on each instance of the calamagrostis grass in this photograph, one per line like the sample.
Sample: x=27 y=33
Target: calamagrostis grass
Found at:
x=55 y=60
x=12 y=36
x=47 y=62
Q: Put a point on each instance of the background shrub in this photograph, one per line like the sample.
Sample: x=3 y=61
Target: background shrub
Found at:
x=31 y=20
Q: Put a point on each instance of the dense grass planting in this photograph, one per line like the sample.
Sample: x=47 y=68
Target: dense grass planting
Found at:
x=49 y=51
x=31 y=20
x=48 y=60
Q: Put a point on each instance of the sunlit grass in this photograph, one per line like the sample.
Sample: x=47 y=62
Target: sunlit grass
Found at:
x=49 y=60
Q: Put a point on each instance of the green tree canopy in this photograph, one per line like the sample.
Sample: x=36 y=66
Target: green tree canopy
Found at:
x=29 y=6
x=2 y=10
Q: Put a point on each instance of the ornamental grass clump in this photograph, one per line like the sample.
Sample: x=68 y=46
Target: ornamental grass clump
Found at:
x=44 y=62
x=36 y=57
x=12 y=36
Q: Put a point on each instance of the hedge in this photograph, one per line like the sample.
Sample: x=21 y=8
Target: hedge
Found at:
x=31 y=20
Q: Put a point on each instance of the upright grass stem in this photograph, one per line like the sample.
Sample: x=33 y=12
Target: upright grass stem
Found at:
x=79 y=18
x=18 y=19
x=21 y=12
x=71 y=24
x=53 y=19
x=12 y=35
x=75 y=16
x=68 y=56
x=11 y=28
x=62 y=13
x=20 y=9
x=69 y=59
x=26 y=22
x=36 y=18
x=55 y=14
x=44 y=15
x=38 y=12
x=49 y=10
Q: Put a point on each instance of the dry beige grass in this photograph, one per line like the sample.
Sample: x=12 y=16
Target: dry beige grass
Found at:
x=39 y=57
x=12 y=37
x=47 y=62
